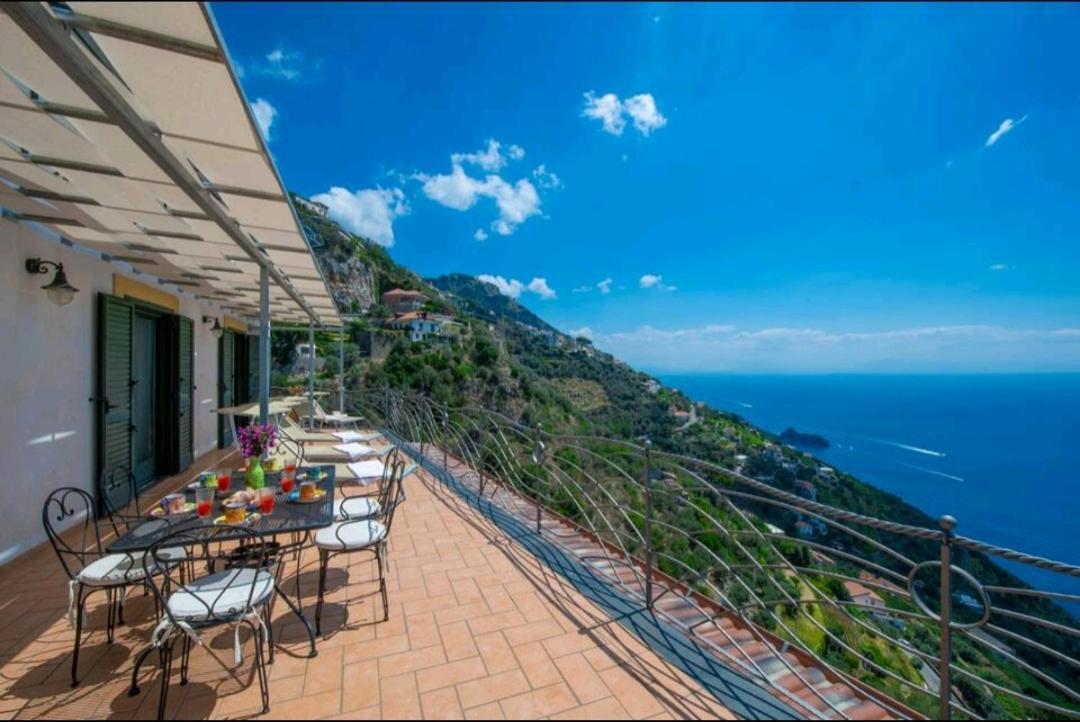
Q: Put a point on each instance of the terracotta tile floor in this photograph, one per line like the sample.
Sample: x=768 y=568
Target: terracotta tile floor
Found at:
x=478 y=629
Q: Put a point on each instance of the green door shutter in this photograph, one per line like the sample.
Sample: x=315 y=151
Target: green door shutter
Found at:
x=253 y=368
x=115 y=318
x=226 y=384
x=185 y=386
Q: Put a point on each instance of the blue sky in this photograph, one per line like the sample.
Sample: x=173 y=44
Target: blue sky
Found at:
x=798 y=188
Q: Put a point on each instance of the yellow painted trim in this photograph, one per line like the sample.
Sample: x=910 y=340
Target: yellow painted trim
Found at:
x=124 y=287
x=235 y=324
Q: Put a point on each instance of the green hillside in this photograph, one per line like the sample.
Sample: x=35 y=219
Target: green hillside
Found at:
x=504 y=357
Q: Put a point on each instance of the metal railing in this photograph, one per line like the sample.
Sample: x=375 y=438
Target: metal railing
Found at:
x=935 y=626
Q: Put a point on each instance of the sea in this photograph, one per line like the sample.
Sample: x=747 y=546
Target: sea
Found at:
x=997 y=452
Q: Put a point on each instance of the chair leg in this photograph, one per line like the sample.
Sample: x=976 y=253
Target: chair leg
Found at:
x=324 y=559
x=135 y=672
x=185 y=659
x=121 y=597
x=110 y=616
x=269 y=634
x=382 y=584
x=165 y=654
x=78 y=636
x=260 y=669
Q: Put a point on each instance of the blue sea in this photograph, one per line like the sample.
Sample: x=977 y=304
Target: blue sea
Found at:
x=998 y=452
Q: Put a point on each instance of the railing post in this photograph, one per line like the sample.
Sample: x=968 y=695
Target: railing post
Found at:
x=480 y=452
x=649 y=552
x=538 y=458
x=420 y=417
x=947 y=524
x=445 y=426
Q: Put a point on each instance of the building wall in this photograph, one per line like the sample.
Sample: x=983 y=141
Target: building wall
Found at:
x=48 y=374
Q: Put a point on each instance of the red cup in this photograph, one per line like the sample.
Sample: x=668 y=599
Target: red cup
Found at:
x=266 y=503
x=204 y=508
x=223 y=483
x=287 y=484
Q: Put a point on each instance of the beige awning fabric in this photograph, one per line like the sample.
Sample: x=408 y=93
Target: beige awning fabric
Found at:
x=78 y=167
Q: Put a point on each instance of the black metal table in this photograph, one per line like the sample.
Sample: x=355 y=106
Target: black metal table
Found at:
x=298 y=520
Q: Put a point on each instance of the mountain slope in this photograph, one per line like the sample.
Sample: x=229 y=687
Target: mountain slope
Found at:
x=484 y=300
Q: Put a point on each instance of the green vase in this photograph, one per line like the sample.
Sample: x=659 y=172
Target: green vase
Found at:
x=255 y=476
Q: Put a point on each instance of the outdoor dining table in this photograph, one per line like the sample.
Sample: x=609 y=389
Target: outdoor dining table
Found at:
x=298 y=520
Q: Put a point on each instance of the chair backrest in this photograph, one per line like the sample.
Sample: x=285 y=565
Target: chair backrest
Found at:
x=110 y=480
x=70 y=512
x=241 y=556
x=394 y=491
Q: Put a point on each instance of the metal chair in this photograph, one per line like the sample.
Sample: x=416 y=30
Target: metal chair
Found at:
x=362 y=535
x=238 y=592
x=70 y=512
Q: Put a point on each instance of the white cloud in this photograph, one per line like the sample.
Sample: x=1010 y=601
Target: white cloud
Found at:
x=608 y=109
x=490 y=158
x=650 y=280
x=480 y=235
x=612 y=112
x=545 y=178
x=540 y=287
x=647 y=118
x=604 y=287
x=999 y=267
x=265 y=115
x=514 y=288
x=965 y=348
x=583 y=332
x=515 y=201
x=1006 y=126
x=369 y=213
x=511 y=288
x=285 y=64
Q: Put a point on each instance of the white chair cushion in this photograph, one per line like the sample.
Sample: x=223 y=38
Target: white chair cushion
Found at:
x=355 y=450
x=226 y=593
x=350 y=535
x=113 y=569
x=355 y=507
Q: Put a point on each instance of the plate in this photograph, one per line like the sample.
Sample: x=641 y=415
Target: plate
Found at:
x=294 y=497
x=158 y=511
x=248 y=521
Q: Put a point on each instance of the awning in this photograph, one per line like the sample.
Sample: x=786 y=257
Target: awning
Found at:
x=123 y=129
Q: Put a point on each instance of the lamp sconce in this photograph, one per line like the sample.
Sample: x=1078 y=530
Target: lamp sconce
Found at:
x=217 y=329
x=59 y=290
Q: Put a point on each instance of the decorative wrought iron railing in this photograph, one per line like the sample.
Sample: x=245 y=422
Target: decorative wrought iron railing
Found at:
x=928 y=622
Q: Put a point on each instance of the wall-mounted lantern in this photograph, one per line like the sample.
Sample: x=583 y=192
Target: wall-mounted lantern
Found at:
x=59 y=290
x=217 y=329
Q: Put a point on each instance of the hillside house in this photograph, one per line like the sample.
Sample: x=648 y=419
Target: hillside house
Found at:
x=401 y=301
x=314 y=206
x=806 y=490
x=863 y=596
x=305 y=356
x=420 y=325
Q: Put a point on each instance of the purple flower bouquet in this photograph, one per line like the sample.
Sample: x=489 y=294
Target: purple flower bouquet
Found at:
x=256 y=439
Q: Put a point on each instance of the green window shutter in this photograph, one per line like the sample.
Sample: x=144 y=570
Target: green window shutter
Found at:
x=185 y=386
x=253 y=368
x=114 y=397
x=226 y=384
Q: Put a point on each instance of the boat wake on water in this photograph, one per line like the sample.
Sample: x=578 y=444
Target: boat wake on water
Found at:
x=931 y=471
x=906 y=447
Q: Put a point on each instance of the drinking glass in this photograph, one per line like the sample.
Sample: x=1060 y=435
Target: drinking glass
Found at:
x=204 y=501
x=267 y=495
x=288 y=480
x=223 y=480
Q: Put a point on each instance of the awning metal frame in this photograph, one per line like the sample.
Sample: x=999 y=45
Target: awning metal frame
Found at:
x=53 y=36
